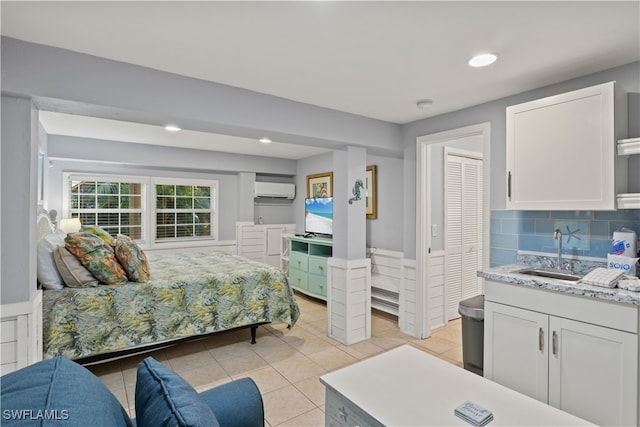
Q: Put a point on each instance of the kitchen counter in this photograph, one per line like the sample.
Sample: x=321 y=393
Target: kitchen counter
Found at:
x=509 y=274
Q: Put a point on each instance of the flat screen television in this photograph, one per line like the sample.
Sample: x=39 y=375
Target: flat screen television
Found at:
x=318 y=216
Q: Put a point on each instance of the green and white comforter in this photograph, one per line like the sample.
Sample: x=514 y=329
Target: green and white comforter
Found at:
x=188 y=294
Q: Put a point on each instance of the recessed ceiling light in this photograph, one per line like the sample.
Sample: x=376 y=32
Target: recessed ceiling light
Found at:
x=424 y=104
x=482 y=60
x=265 y=140
x=172 y=128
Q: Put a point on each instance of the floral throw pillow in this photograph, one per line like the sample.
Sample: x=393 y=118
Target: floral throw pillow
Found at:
x=97 y=256
x=132 y=258
x=98 y=231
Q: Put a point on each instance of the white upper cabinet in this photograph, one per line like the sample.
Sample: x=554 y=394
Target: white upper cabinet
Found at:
x=561 y=150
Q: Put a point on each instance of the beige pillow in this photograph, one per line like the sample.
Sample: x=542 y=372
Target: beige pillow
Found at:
x=73 y=273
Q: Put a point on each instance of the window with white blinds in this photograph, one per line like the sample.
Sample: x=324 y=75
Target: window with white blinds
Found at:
x=148 y=209
x=184 y=210
x=115 y=204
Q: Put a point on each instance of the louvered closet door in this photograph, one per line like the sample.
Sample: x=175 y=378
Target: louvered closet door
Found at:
x=463 y=216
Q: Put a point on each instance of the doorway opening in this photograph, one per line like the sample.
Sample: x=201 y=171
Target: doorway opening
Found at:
x=435 y=225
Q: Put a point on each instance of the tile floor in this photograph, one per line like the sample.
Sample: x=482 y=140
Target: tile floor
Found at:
x=285 y=364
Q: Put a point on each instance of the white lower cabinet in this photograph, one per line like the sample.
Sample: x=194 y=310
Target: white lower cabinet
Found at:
x=584 y=369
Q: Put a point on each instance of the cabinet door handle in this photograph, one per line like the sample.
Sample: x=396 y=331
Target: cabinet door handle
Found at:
x=509 y=185
x=342 y=413
x=321 y=267
x=541 y=339
x=554 y=343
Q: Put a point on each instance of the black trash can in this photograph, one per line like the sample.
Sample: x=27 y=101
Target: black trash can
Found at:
x=472 y=312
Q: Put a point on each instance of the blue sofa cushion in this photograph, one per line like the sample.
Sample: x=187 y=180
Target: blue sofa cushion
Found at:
x=58 y=392
x=236 y=404
x=163 y=398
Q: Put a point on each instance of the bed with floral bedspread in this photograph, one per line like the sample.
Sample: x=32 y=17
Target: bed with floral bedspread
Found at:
x=188 y=294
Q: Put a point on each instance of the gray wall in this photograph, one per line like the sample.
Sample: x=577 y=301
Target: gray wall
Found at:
x=385 y=232
x=71 y=154
x=494 y=112
x=72 y=82
x=18 y=148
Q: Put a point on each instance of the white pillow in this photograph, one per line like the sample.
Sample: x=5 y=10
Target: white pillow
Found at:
x=48 y=275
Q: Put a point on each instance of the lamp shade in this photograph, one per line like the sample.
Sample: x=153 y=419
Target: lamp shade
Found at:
x=70 y=225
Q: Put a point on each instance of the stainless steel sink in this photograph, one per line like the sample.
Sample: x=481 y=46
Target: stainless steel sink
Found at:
x=551 y=274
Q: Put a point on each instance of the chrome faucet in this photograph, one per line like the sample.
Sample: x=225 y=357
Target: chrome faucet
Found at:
x=557 y=235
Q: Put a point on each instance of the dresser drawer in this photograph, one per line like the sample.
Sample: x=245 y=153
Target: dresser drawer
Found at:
x=339 y=411
x=318 y=265
x=299 y=261
x=298 y=279
x=318 y=284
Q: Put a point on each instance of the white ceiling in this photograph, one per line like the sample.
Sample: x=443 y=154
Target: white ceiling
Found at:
x=374 y=59
x=114 y=130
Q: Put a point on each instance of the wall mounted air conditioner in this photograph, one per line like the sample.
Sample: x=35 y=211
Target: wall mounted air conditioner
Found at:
x=274 y=190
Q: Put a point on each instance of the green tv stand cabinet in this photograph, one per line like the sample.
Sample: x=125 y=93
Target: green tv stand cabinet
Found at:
x=308 y=265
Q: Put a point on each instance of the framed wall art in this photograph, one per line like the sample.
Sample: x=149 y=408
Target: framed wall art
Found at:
x=320 y=185
x=372 y=196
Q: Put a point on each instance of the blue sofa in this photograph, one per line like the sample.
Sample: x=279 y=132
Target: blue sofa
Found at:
x=61 y=392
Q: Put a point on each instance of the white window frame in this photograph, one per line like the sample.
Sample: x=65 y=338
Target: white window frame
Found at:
x=149 y=202
x=193 y=241
x=143 y=181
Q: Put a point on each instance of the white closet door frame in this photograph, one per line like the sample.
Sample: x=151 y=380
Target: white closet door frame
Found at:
x=423 y=213
x=457 y=246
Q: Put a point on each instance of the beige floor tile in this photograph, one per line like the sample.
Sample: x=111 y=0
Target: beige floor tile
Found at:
x=313 y=418
x=436 y=344
x=231 y=351
x=267 y=379
x=206 y=374
x=187 y=362
x=129 y=376
x=298 y=369
x=332 y=359
x=454 y=354
x=110 y=374
x=298 y=331
x=243 y=364
x=310 y=345
x=318 y=327
x=390 y=339
x=312 y=388
x=131 y=397
x=285 y=404
x=379 y=323
x=361 y=350
x=121 y=395
x=275 y=351
x=452 y=334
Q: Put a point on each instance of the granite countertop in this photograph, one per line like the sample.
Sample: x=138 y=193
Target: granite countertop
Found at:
x=509 y=274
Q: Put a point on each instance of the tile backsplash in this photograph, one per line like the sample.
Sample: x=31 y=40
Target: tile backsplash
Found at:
x=585 y=233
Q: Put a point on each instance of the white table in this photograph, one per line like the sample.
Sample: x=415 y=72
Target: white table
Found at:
x=408 y=387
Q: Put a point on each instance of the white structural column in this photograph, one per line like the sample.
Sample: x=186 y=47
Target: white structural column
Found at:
x=349 y=270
